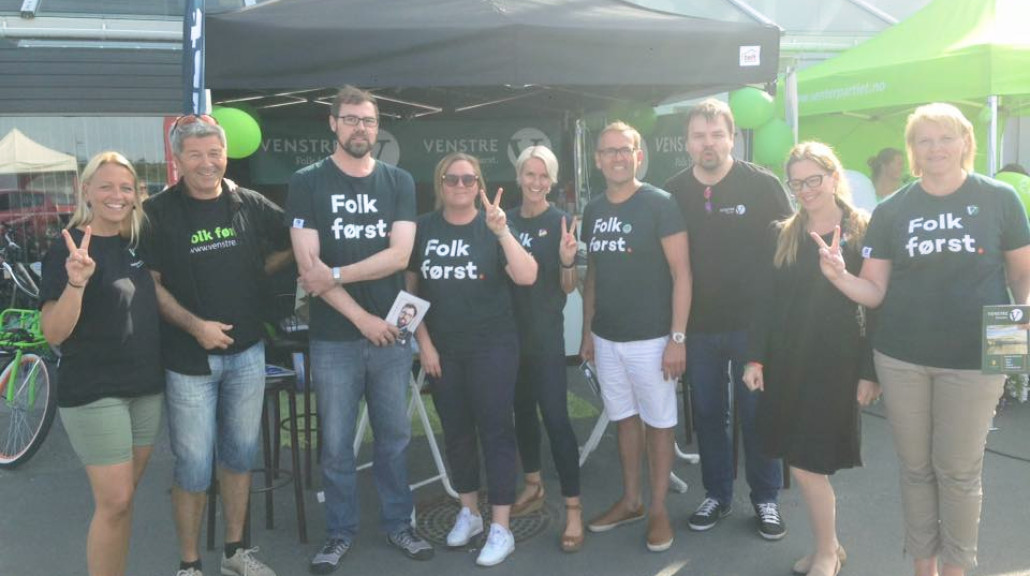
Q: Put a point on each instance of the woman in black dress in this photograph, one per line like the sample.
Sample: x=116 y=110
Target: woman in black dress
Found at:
x=808 y=351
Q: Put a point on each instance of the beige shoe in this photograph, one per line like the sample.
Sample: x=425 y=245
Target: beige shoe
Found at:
x=534 y=504
x=616 y=516
x=659 y=533
x=804 y=564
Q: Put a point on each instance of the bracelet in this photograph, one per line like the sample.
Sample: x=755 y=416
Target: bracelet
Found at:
x=569 y=267
x=80 y=287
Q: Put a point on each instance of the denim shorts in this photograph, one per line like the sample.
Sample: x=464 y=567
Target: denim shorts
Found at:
x=220 y=411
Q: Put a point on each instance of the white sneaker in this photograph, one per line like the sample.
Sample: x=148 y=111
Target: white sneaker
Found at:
x=465 y=527
x=499 y=544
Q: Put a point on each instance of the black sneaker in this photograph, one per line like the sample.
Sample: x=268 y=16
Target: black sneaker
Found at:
x=770 y=523
x=413 y=545
x=708 y=515
x=328 y=558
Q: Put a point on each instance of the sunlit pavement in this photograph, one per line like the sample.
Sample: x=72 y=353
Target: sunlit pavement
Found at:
x=47 y=505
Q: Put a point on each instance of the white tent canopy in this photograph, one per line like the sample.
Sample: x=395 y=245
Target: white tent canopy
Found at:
x=19 y=154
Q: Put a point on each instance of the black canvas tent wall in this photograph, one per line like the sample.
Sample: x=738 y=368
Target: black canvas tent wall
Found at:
x=582 y=52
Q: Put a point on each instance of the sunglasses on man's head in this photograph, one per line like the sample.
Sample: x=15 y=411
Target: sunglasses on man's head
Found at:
x=193 y=118
x=467 y=180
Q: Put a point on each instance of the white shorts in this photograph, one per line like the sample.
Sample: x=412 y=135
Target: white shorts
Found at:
x=631 y=379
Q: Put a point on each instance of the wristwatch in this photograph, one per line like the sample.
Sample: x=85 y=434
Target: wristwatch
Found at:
x=336 y=274
x=679 y=337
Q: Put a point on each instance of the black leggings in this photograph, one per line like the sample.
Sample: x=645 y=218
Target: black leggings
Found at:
x=474 y=397
x=542 y=382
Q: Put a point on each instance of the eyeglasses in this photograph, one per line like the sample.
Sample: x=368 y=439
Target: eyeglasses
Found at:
x=352 y=120
x=193 y=118
x=609 y=153
x=467 y=180
x=813 y=181
x=708 y=199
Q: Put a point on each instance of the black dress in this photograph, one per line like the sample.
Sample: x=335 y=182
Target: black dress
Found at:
x=811 y=340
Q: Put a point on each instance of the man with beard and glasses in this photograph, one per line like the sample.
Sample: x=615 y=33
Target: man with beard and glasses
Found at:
x=729 y=206
x=352 y=224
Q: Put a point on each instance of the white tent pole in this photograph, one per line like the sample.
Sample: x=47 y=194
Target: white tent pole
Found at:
x=992 y=136
x=790 y=100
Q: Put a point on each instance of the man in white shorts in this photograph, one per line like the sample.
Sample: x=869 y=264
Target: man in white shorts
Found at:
x=635 y=306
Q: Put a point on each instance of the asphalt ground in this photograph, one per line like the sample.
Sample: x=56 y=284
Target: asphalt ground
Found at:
x=46 y=507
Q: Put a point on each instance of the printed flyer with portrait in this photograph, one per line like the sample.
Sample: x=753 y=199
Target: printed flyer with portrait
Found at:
x=1006 y=339
x=407 y=313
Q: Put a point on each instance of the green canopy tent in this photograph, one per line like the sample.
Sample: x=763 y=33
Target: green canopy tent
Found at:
x=972 y=53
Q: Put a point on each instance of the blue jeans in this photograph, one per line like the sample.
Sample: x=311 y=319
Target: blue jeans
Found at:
x=708 y=356
x=343 y=373
x=223 y=408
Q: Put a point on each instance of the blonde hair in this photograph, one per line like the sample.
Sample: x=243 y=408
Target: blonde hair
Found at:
x=793 y=230
x=132 y=228
x=945 y=116
x=620 y=126
x=543 y=154
x=441 y=170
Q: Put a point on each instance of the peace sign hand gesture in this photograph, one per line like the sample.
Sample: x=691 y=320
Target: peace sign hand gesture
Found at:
x=496 y=219
x=568 y=247
x=831 y=259
x=79 y=266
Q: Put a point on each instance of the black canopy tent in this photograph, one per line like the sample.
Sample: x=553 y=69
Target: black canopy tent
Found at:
x=574 y=55
x=479 y=59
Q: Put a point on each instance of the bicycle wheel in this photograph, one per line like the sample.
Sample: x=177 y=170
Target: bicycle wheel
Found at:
x=26 y=418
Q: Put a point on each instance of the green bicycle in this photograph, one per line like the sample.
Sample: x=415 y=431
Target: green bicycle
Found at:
x=28 y=403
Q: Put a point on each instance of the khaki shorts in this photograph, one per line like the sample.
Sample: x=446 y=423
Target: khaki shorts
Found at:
x=105 y=431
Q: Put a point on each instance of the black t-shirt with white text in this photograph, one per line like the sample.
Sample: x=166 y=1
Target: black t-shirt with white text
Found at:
x=632 y=281
x=114 y=349
x=218 y=263
x=539 y=309
x=461 y=273
x=353 y=217
x=947 y=257
x=729 y=242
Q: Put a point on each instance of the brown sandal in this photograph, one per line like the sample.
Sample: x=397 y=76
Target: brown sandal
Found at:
x=570 y=544
x=533 y=504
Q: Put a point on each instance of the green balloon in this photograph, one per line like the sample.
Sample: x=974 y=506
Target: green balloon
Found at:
x=751 y=107
x=772 y=143
x=242 y=132
x=1021 y=183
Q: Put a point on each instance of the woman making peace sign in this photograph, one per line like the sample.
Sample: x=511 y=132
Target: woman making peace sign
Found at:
x=462 y=262
x=99 y=306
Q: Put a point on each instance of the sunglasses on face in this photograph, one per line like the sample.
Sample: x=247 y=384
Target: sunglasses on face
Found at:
x=352 y=120
x=813 y=181
x=466 y=180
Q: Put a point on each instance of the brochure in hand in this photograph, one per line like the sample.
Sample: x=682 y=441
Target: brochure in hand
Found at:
x=1006 y=334
x=407 y=313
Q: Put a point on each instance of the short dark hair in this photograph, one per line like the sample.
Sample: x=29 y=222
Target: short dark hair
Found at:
x=711 y=109
x=353 y=95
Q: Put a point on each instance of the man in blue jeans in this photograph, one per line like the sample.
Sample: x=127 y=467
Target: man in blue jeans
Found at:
x=352 y=224
x=729 y=206
x=208 y=245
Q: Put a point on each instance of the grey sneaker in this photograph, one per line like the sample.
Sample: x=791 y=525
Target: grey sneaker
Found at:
x=413 y=545
x=770 y=523
x=243 y=563
x=328 y=558
x=189 y=572
x=708 y=515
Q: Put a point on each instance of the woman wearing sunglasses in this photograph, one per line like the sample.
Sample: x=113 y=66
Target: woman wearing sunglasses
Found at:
x=100 y=307
x=807 y=349
x=463 y=263
x=938 y=250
